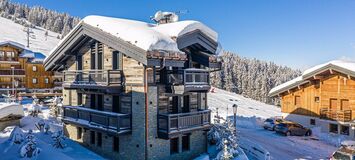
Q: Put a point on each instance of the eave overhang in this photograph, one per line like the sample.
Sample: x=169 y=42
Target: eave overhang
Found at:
x=79 y=35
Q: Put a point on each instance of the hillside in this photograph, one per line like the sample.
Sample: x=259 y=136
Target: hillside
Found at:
x=10 y=30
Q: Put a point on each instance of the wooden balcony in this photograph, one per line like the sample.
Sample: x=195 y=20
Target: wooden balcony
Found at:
x=10 y=72
x=93 y=79
x=170 y=125
x=9 y=60
x=191 y=80
x=115 y=123
x=336 y=115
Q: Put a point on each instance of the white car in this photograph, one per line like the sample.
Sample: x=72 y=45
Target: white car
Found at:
x=270 y=123
x=345 y=152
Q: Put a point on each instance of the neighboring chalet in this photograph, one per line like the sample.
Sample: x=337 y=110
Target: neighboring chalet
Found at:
x=134 y=90
x=22 y=71
x=322 y=96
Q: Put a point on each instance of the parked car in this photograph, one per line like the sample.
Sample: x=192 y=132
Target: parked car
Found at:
x=270 y=123
x=345 y=152
x=292 y=129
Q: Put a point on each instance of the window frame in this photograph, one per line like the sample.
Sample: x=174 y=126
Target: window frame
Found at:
x=34 y=68
x=34 y=81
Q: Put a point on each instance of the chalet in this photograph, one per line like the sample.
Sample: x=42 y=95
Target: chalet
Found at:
x=322 y=96
x=135 y=90
x=22 y=70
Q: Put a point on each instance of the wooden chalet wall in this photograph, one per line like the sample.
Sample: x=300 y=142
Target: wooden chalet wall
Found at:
x=334 y=91
x=40 y=74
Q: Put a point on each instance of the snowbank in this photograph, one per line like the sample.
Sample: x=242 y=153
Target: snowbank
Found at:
x=7 y=109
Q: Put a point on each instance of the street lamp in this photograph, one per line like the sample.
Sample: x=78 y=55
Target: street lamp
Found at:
x=13 y=78
x=235 y=109
x=16 y=85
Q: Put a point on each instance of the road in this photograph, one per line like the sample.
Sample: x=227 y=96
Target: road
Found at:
x=287 y=148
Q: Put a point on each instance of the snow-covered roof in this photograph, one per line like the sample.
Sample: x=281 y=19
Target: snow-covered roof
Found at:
x=148 y=36
x=33 y=57
x=12 y=43
x=7 y=109
x=342 y=66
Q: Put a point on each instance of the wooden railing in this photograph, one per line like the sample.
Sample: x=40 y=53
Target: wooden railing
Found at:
x=9 y=85
x=58 y=84
x=191 y=79
x=90 y=117
x=9 y=72
x=94 y=77
x=336 y=115
x=174 y=123
x=8 y=58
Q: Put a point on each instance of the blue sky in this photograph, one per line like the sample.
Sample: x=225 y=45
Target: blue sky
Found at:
x=296 y=33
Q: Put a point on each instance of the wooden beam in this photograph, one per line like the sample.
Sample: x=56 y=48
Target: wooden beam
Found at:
x=318 y=77
x=349 y=77
x=331 y=71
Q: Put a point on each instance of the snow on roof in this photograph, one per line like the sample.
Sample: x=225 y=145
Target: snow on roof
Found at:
x=7 y=109
x=12 y=43
x=34 y=57
x=180 y=28
x=146 y=35
x=343 y=66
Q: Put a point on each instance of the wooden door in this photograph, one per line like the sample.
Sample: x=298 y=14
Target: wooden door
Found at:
x=344 y=105
x=333 y=104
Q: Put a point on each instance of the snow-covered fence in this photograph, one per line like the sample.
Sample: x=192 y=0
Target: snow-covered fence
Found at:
x=254 y=151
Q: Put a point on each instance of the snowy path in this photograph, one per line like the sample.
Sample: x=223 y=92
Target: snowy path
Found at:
x=287 y=148
x=250 y=115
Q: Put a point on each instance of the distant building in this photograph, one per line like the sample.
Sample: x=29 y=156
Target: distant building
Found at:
x=22 y=71
x=322 y=96
x=134 y=90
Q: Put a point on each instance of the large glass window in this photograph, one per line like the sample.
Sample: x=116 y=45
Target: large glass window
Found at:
x=174 y=145
x=2 y=54
x=185 y=142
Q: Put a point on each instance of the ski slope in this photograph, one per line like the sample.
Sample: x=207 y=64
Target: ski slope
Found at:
x=11 y=31
x=247 y=107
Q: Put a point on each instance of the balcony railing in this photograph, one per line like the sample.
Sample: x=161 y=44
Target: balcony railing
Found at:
x=10 y=72
x=336 y=115
x=192 y=79
x=8 y=85
x=93 y=78
x=170 y=124
x=108 y=121
x=58 y=84
x=8 y=58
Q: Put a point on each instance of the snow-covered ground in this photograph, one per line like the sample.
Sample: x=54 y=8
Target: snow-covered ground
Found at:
x=11 y=31
x=44 y=141
x=251 y=114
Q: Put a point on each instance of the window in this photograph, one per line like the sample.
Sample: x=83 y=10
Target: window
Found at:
x=116 y=144
x=79 y=133
x=333 y=104
x=297 y=100
x=316 y=99
x=150 y=75
x=2 y=54
x=116 y=60
x=174 y=145
x=80 y=99
x=344 y=130
x=34 y=80
x=34 y=68
x=46 y=80
x=333 y=128
x=10 y=54
x=92 y=137
x=344 y=105
x=312 y=122
x=99 y=139
x=185 y=142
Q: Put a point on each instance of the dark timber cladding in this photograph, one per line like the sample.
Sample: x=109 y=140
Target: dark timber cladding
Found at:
x=79 y=35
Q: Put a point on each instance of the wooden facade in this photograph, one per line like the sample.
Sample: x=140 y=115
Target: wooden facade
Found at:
x=329 y=96
x=29 y=74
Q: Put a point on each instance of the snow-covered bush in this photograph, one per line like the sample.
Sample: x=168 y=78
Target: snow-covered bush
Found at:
x=46 y=128
x=40 y=125
x=17 y=136
x=59 y=139
x=30 y=148
x=223 y=134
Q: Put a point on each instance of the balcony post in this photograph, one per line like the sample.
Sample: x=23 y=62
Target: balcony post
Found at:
x=168 y=120
x=178 y=122
x=108 y=77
